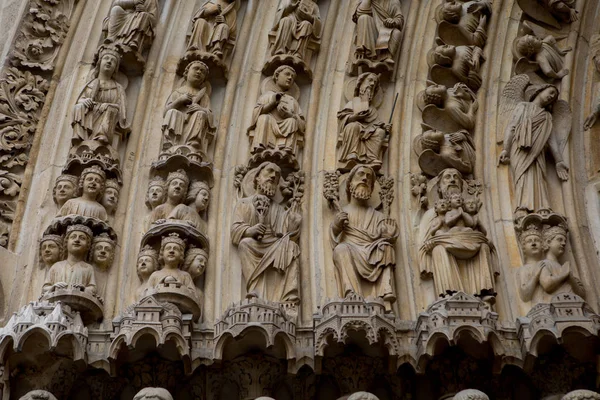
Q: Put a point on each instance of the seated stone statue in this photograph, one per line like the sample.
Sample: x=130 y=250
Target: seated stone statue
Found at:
x=197 y=200
x=51 y=250
x=65 y=188
x=213 y=25
x=172 y=250
x=277 y=120
x=131 y=23
x=188 y=119
x=297 y=21
x=74 y=271
x=153 y=394
x=453 y=64
x=362 y=137
x=156 y=193
x=147 y=264
x=102 y=253
x=265 y=234
x=91 y=184
x=363 y=242
x=100 y=108
x=177 y=187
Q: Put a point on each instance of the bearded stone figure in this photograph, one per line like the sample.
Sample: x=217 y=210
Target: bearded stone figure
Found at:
x=297 y=21
x=537 y=121
x=65 y=188
x=153 y=394
x=277 y=120
x=91 y=184
x=38 y=395
x=51 y=250
x=100 y=108
x=265 y=234
x=452 y=64
x=177 y=186
x=363 y=242
x=378 y=33
x=196 y=204
x=214 y=24
x=362 y=137
x=464 y=22
x=131 y=23
x=454 y=249
x=74 y=271
x=188 y=119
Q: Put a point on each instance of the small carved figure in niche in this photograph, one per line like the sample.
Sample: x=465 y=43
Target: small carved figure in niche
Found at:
x=449 y=109
x=147 y=264
x=188 y=118
x=438 y=224
x=103 y=251
x=459 y=259
x=265 y=233
x=464 y=22
x=196 y=203
x=131 y=23
x=157 y=192
x=51 y=250
x=214 y=24
x=363 y=242
x=153 y=394
x=539 y=54
x=110 y=198
x=91 y=185
x=550 y=12
x=195 y=262
x=38 y=395
x=528 y=275
x=297 y=22
x=456 y=219
x=100 y=109
x=472 y=205
x=362 y=137
x=171 y=257
x=177 y=187
x=537 y=121
x=453 y=64
x=378 y=33
x=438 y=151
x=65 y=188
x=74 y=271
x=277 y=120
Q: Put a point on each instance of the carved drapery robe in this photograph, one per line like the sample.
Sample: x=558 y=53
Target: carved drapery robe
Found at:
x=270 y=127
x=362 y=140
x=295 y=25
x=192 y=128
x=107 y=113
x=532 y=130
x=180 y=276
x=207 y=32
x=80 y=273
x=371 y=34
x=186 y=213
x=363 y=258
x=128 y=27
x=83 y=207
x=270 y=265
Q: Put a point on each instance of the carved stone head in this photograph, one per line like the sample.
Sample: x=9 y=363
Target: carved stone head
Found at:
x=78 y=240
x=367 y=85
x=529 y=45
x=441 y=206
x=456 y=200
x=450 y=181
x=147 y=262
x=555 y=240
x=103 y=251
x=110 y=198
x=195 y=73
x=177 y=186
x=451 y=12
x=195 y=262
x=361 y=182
x=153 y=394
x=472 y=205
x=92 y=182
x=435 y=94
x=284 y=77
x=198 y=196
x=172 y=250
x=157 y=193
x=531 y=243
x=544 y=94
x=444 y=54
x=51 y=249
x=267 y=179
x=108 y=62
x=65 y=188
x=38 y=395
x=461 y=91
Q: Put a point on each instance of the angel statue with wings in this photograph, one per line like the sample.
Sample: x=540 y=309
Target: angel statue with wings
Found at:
x=537 y=120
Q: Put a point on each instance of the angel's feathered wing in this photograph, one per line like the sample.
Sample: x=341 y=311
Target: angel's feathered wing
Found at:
x=513 y=94
x=562 y=120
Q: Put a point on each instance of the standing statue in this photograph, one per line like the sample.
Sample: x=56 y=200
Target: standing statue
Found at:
x=453 y=247
x=265 y=233
x=214 y=24
x=537 y=121
x=196 y=204
x=131 y=23
x=156 y=193
x=74 y=271
x=188 y=120
x=102 y=253
x=177 y=187
x=171 y=257
x=91 y=185
x=65 y=188
x=362 y=136
x=153 y=394
x=453 y=64
x=464 y=22
x=147 y=264
x=540 y=54
x=100 y=109
x=363 y=242
x=449 y=109
x=277 y=120
x=51 y=250
x=378 y=33
x=297 y=22
x=110 y=198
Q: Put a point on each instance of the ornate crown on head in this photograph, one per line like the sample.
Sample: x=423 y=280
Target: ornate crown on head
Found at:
x=157 y=181
x=94 y=169
x=69 y=178
x=530 y=230
x=148 y=251
x=196 y=251
x=55 y=238
x=103 y=237
x=79 y=228
x=549 y=231
x=112 y=183
x=109 y=49
x=179 y=174
x=172 y=238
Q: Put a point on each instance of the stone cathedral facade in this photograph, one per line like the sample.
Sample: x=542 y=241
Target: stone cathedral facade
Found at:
x=299 y=199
